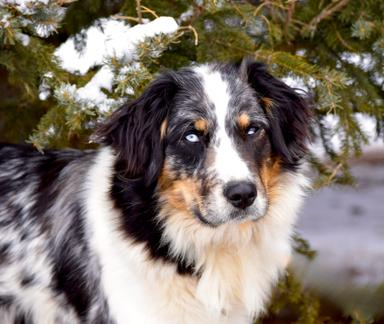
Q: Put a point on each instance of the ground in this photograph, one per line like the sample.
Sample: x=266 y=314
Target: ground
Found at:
x=346 y=227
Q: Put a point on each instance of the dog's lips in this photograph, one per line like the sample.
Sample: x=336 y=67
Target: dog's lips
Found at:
x=235 y=217
x=241 y=216
x=201 y=218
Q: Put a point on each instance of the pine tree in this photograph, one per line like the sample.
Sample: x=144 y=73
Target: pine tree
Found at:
x=334 y=49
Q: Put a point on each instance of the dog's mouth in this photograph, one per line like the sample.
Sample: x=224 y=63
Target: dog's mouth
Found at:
x=234 y=217
x=197 y=213
x=240 y=216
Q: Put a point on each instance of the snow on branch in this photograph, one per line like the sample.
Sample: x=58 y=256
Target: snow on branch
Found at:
x=113 y=46
x=107 y=38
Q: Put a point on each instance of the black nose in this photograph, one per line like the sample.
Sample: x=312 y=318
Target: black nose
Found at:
x=240 y=194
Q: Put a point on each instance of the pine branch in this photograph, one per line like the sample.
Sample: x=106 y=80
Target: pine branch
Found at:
x=324 y=14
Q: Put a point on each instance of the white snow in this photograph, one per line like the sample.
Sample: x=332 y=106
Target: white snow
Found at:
x=26 y=16
x=44 y=94
x=91 y=95
x=44 y=30
x=363 y=60
x=298 y=83
x=109 y=37
x=24 y=6
x=5 y=19
x=23 y=38
x=44 y=87
x=185 y=16
x=92 y=90
x=367 y=123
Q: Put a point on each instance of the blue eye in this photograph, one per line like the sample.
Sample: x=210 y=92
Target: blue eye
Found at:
x=252 y=130
x=193 y=138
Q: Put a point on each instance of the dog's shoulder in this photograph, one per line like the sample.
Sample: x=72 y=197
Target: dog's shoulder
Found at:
x=10 y=152
x=43 y=235
x=18 y=161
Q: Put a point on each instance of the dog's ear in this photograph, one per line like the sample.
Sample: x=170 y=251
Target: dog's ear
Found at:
x=289 y=113
x=136 y=130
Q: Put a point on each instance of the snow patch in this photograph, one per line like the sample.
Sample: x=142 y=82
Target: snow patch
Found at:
x=364 y=60
x=299 y=84
x=90 y=96
x=366 y=122
x=92 y=91
x=186 y=16
x=107 y=38
x=33 y=13
x=5 y=19
x=23 y=38
x=24 y=6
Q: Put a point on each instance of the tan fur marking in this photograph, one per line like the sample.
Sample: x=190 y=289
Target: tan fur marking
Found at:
x=201 y=125
x=163 y=129
x=270 y=175
x=267 y=103
x=179 y=194
x=243 y=121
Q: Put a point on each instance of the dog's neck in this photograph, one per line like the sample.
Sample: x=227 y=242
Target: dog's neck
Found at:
x=224 y=260
x=230 y=266
x=227 y=261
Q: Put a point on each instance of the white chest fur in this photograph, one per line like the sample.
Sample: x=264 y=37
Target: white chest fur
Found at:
x=235 y=280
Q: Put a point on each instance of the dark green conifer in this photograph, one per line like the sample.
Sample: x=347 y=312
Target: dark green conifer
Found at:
x=333 y=48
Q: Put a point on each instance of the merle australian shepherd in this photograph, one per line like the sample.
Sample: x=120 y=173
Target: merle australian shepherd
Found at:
x=184 y=215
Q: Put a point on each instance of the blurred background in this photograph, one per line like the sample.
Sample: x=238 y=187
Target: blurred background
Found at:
x=65 y=65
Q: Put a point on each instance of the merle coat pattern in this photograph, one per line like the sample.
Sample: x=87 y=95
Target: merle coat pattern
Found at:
x=184 y=214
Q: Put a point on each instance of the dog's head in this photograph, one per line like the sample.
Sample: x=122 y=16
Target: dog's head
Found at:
x=212 y=139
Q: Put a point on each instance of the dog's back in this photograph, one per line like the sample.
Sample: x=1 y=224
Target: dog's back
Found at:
x=183 y=216
x=44 y=257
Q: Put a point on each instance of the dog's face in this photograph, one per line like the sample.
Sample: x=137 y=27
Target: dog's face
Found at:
x=217 y=142
x=213 y=139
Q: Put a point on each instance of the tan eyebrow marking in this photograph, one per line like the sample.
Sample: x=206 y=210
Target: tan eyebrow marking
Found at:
x=243 y=120
x=267 y=103
x=163 y=128
x=201 y=125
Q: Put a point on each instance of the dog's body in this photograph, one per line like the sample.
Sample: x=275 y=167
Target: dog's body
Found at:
x=184 y=215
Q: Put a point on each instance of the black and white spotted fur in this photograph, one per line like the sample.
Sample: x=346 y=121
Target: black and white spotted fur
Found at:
x=144 y=230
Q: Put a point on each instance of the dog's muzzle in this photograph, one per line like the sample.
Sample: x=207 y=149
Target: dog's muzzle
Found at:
x=241 y=194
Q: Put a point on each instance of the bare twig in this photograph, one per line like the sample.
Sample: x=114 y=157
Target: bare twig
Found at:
x=324 y=14
x=193 y=30
x=126 y=18
x=258 y=9
x=290 y=11
x=147 y=10
x=138 y=10
x=343 y=42
x=64 y=2
x=334 y=173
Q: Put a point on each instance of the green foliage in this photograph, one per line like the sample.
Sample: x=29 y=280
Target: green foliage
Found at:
x=334 y=48
x=292 y=304
x=302 y=246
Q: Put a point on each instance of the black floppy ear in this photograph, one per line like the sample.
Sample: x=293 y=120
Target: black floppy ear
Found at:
x=289 y=113
x=135 y=130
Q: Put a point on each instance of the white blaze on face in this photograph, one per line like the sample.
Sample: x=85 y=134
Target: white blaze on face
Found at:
x=228 y=165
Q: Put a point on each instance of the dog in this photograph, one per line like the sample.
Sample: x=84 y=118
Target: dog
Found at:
x=184 y=215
